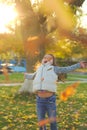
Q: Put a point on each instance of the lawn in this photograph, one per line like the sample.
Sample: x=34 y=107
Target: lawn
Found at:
x=17 y=112
x=19 y=77
x=13 y=78
x=76 y=77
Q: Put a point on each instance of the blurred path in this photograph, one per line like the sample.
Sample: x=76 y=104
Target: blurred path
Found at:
x=19 y=84
x=10 y=84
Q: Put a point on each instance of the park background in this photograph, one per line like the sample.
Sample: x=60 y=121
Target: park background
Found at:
x=28 y=30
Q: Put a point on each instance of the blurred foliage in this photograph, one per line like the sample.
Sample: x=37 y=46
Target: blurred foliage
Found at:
x=10 y=47
x=55 y=29
x=67 y=49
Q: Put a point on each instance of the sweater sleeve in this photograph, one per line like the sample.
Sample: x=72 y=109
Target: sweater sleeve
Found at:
x=67 y=69
x=30 y=75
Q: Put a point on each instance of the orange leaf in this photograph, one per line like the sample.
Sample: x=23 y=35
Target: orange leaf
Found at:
x=69 y=91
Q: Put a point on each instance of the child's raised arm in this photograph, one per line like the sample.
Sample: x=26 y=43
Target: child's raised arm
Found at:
x=67 y=69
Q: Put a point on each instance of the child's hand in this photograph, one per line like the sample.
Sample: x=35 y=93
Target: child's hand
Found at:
x=83 y=64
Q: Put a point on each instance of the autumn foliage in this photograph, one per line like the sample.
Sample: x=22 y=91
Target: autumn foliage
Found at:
x=69 y=91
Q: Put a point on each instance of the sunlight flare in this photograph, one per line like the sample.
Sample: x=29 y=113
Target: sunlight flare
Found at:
x=8 y=15
x=84 y=16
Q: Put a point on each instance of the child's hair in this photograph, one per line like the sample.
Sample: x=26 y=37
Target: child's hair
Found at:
x=54 y=60
x=62 y=76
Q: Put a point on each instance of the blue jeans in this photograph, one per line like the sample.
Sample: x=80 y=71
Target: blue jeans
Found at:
x=47 y=105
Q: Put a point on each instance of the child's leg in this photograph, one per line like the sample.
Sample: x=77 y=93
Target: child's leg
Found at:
x=41 y=111
x=51 y=110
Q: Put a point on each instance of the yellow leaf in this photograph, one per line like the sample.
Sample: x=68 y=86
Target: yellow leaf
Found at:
x=5 y=128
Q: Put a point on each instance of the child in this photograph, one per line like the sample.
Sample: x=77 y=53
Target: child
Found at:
x=44 y=85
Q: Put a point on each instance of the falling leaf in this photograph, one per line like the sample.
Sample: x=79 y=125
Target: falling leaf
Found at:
x=46 y=121
x=69 y=91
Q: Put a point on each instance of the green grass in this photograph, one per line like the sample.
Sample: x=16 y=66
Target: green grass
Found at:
x=13 y=78
x=73 y=112
x=77 y=75
x=18 y=112
x=74 y=77
x=19 y=77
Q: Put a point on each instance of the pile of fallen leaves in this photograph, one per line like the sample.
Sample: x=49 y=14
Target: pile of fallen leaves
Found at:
x=18 y=111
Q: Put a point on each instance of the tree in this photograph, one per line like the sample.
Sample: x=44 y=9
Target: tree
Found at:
x=39 y=24
x=31 y=32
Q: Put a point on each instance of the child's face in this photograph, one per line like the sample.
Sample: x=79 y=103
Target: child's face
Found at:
x=47 y=58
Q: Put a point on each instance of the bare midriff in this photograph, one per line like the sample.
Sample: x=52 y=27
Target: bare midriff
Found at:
x=44 y=93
